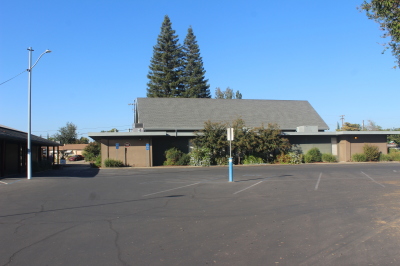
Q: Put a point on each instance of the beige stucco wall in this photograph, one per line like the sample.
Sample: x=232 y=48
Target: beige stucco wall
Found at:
x=135 y=155
x=349 y=145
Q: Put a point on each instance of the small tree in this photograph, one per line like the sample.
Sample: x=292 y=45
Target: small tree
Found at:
x=372 y=126
x=387 y=14
x=227 y=94
x=350 y=127
x=269 y=143
x=395 y=138
x=82 y=140
x=91 y=151
x=213 y=138
x=67 y=134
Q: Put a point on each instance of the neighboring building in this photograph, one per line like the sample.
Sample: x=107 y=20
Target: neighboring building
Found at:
x=162 y=123
x=73 y=149
x=342 y=144
x=13 y=150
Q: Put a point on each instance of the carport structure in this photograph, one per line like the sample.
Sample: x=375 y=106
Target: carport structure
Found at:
x=13 y=150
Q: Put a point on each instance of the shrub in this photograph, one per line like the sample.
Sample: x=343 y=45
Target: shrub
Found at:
x=313 y=155
x=174 y=156
x=221 y=160
x=96 y=163
x=113 y=163
x=251 y=159
x=200 y=157
x=371 y=152
x=328 y=158
x=91 y=151
x=385 y=157
x=359 y=157
x=290 y=158
x=184 y=159
x=394 y=155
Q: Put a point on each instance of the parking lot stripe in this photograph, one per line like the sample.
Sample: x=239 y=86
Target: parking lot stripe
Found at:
x=169 y=189
x=373 y=179
x=319 y=179
x=3 y=182
x=247 y=187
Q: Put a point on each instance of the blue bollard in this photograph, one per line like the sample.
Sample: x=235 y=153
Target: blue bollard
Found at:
x=230 y=170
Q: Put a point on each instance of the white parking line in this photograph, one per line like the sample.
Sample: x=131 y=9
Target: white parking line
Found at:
x=3 y=182
x=169 y=189
x=373 y=179
x=319 y=179
x=247 y=187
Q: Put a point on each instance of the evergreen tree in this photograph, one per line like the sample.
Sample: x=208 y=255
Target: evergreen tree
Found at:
x=166 y=65
x=195 y=84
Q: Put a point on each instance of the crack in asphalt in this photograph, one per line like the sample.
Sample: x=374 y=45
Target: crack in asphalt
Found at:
x=81 y=207
x=12 y=257
x=110 y=225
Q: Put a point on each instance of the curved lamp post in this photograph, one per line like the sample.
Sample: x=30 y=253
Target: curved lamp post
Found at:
x=29 y=150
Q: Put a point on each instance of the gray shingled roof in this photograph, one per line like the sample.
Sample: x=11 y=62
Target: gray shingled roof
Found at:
x=191 y=113
x=8 y=133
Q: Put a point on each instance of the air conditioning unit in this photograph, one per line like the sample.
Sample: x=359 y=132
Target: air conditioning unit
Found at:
x=138 y=127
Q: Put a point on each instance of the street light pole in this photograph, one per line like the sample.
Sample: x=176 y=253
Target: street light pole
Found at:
x=29 y=148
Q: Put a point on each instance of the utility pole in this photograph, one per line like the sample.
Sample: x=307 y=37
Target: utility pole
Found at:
x=342 y=118
x=133 y=110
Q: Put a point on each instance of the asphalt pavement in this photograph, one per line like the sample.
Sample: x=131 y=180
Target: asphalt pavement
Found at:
x=310 y=214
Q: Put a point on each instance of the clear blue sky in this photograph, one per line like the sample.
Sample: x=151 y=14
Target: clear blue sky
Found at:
x=325 y=52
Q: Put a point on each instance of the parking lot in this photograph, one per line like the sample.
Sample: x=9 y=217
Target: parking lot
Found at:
x=311 y=214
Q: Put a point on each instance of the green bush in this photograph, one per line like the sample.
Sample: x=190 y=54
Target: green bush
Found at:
x=251 y=159
x=290 y=158
x=328 y=158
x=371 y=152
x=313 y=155
x=385 y=157
x=221 y=160
x=113 y=163
x=184 y=159
x=91 y=151
x=96 y=163
x=174 y=156
x=200 y=157
x=394 y=155
x=359 y=157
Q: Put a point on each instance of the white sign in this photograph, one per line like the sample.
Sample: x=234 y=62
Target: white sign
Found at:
x=230 y=133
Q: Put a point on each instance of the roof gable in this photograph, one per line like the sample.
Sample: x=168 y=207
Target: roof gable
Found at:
x=191 y=113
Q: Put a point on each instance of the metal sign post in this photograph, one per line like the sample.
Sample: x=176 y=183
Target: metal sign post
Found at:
x=148 y=154
x=230 y=138
x=116 y=150
x=127 y=145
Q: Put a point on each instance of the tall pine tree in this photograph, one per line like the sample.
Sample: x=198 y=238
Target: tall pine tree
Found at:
x=195 y=84
x=166 y=65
